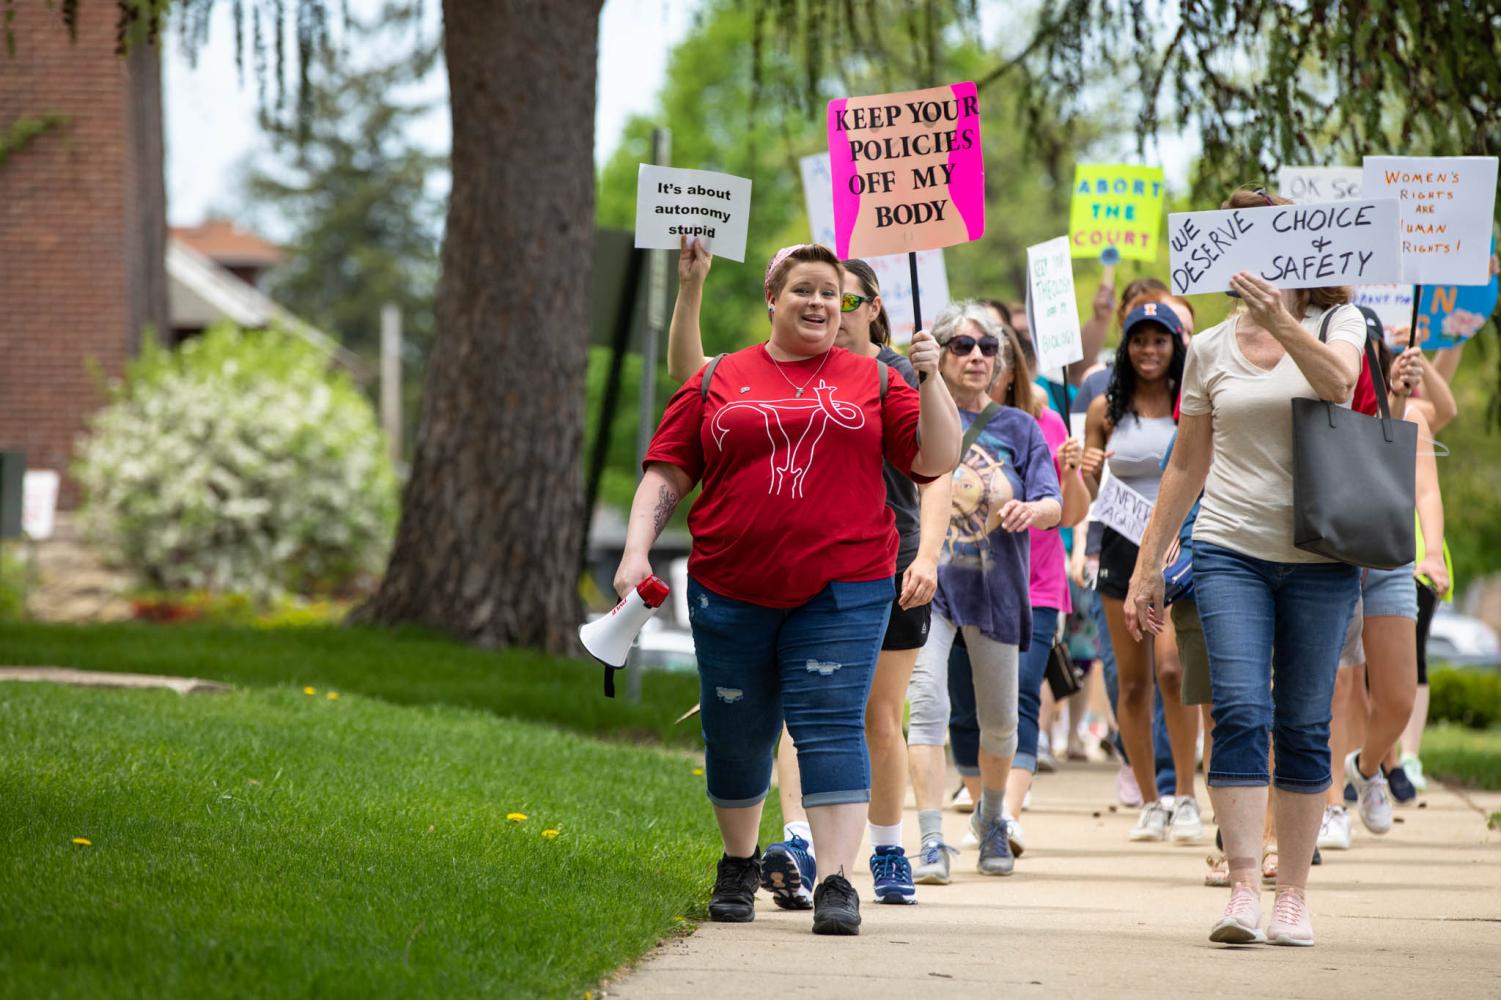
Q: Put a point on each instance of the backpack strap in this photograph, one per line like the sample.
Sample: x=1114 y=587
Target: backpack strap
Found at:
x=885 y=375
x=703 y=387
x=981 y=419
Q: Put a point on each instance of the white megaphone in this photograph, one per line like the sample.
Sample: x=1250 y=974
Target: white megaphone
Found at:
x=608 y=638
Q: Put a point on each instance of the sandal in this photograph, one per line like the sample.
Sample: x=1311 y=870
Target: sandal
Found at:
x=1269 y=865
x=1218 y=875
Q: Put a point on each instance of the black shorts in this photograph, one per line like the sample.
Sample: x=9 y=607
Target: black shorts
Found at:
x=907 y=629
x=1427 y=603
x=1117 y=563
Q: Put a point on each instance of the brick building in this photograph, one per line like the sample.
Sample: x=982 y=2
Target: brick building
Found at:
x=82 y=225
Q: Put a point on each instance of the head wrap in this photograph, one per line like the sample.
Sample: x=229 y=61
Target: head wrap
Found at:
x=776 y=260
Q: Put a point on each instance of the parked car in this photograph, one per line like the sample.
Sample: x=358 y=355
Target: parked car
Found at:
x=1462 y=641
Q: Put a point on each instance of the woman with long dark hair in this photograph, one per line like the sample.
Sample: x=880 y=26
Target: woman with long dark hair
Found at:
x=1131 y=426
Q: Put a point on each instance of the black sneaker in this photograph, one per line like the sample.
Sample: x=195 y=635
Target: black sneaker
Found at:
x=1400 y=785
x=836 y=908
x=1350 y=795
x=1318 y=858
x=734 y=899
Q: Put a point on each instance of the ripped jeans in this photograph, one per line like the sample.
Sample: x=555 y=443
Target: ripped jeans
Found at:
x=811 y=665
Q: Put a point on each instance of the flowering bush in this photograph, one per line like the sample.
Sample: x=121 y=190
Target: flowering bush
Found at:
x=239 y=463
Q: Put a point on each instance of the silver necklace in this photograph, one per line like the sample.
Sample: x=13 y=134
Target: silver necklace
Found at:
x=797 y=390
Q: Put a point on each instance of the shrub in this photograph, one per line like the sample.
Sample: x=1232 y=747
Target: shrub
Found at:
x=1468 y=697
x=238 y=463
x=13 y=585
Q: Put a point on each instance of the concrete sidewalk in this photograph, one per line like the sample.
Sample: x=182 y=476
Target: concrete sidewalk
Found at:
x=1414 y=913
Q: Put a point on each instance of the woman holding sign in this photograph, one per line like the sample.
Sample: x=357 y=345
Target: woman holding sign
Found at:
x=1131 y=427
x=794 y=550
x=1005 y=484
x=1267 y=607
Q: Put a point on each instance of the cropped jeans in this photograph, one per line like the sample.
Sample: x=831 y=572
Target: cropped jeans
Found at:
x=811 y=666
x=1273 y=632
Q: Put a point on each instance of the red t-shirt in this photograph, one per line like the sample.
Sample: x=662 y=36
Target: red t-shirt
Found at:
x=1364 y=400
x=793 y=496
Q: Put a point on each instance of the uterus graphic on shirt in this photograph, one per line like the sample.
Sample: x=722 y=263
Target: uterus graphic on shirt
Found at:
x=791 y=459
x=983 y=482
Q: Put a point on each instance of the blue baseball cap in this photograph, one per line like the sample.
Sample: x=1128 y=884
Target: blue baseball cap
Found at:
x=1154 y=312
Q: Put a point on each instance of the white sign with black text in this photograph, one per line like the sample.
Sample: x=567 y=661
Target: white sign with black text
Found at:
x=1292 y=246
x=1446 y=208
x=672 y=203
x=1122 y=509
x=1053 y=310
x=1308 y=185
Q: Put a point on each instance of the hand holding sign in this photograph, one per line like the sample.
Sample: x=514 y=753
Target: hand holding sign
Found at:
x=1263 y=300
x=694 y=261
x=924 y=353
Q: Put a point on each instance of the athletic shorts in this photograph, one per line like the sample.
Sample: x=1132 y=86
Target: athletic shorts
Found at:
x=1117 y=563
x=907 y=628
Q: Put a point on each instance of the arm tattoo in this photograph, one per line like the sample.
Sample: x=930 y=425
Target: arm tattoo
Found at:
x=667 y=502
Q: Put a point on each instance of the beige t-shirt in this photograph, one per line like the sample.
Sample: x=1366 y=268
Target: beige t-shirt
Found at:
x=1248 y=497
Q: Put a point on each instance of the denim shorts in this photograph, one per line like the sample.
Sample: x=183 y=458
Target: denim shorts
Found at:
x=810 y=666
x=1389 y=593
x=1273 y=633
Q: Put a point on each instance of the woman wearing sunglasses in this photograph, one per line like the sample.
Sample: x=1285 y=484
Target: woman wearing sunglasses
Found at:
x=1005 y=484
x=794 y=550
x=789 y=867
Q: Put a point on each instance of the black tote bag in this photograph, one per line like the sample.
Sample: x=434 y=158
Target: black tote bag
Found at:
x=1354 y=478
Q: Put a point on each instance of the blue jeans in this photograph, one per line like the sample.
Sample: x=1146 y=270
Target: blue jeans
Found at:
x=1273 y=633
x=964 y=723
x=1162 y=751
x=810 y=665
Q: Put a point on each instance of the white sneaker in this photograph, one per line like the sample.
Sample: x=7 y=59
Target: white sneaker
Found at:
x=1414 y=768
x=1187 y=826
x=1014 y=835
x=1375 y=799
x=1241 y=922
x=1334 y=831
x=1290 y=921
x=1152 y=823
x=962 y=802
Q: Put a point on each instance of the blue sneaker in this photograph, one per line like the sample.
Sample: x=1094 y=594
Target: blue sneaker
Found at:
x=892 y=873
x=788 y=872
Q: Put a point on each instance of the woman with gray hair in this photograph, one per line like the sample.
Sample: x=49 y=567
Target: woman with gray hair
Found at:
x=1005 y=484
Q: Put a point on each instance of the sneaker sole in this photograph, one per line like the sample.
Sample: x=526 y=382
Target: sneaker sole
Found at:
x=897 y=897
x=781 y=878
x=735 y=915
x=840 y=926
x=1187 y=839
x=1287 y=940
x=931 y=878
x=1230 y=932
x=1332 y=845
x=1146 y=838
x=982 y=871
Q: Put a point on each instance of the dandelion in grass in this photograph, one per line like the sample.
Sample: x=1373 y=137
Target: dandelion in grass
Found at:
x=516 y=817
x=698 y=772
x=333 y=696
x=551 y=834
x=83 y=842
x=310 y=691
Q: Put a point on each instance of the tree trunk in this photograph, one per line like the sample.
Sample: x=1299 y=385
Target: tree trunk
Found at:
x=487 y=547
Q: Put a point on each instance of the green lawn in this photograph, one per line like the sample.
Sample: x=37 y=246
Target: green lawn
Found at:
x=1470 y=757
x=271 y=843
x=407 y=667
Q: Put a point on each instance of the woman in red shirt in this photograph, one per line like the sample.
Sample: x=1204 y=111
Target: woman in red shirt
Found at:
x=794 y=550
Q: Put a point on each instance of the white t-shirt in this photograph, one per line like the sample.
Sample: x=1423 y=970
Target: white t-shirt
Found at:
x=1248 y=497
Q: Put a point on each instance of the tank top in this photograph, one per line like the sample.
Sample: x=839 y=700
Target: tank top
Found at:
x=1139 y=446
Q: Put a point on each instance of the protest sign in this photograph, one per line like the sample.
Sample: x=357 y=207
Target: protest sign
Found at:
x=1052 y=309
x=908 y=171
x=1446 y=208
x=1317 y=184
x=1116 y=205
x=1448 y=316
x=1123 y=509
x=892 y=272
x=1292 y=246
x=672 y=202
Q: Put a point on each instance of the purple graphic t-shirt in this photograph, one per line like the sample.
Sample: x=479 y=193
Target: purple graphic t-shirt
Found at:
x=983 y=577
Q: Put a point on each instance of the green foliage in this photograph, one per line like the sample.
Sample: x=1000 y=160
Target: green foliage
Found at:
x=242 y=463
x=1463 y=756
x=267 y=843
x=1469 y=473
x=406 y=667
x=1468 y=697
x=19 y=134
x=13 y=584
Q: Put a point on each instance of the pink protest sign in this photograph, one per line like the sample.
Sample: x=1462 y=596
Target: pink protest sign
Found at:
x=909 y=172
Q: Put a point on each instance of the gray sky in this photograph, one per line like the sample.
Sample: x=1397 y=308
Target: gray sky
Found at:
x=210 y=117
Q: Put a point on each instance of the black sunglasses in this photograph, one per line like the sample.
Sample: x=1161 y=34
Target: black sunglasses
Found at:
x=964 y=343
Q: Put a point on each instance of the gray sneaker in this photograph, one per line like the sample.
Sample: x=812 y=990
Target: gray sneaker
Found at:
x=1186 y=827
x=1372 y=793
x=933 y=863
x=995 y=850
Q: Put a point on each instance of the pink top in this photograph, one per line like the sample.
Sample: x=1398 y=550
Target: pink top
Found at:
x=1049 y=582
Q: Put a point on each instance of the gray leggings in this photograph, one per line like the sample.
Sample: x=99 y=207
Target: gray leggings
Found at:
x=995 y=667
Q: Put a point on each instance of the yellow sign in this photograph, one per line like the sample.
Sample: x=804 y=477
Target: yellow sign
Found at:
x=1116 y=212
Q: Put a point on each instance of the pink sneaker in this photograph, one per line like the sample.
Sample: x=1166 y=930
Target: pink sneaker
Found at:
x=1290 y=921
x=1126 y=788
x=1241 y=923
